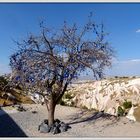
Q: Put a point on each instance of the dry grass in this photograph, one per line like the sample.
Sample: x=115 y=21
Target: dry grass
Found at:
x=20 y=98
x=6 y=102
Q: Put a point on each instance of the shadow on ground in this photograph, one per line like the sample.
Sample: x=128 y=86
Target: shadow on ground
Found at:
x=8 y=127
x=90 y=118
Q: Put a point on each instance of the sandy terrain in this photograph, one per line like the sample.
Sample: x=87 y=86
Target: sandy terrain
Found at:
x=83 y=123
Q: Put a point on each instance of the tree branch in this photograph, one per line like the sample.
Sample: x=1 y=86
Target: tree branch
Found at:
x=62 y=93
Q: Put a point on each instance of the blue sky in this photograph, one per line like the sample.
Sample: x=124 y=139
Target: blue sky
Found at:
x=122 y=22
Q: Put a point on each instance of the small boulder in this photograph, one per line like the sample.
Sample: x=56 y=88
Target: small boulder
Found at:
x=62 y=123
x=130 y=114
x=63 y=128
x=56 y=130
x=57 y=124
x=44 y=128
x=34 y=112
x=46 y=121
x=52 y=128
x=21 y=108
x=57 y=120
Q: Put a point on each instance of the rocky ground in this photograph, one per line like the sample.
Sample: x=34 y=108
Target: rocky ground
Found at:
x=83 y=123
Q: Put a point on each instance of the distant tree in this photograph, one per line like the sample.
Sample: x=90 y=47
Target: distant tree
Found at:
x=116 y=77
x=47 y=63
x=3 y=82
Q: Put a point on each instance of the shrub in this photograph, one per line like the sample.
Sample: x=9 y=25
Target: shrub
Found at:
x=124 y=77
x=72 y=104
x=134 y=77
x=84 y=107
x=3 y=82
x=120 y=111
x=61 y=102
x=127 y=104
x=68 y=95
x=66 y=99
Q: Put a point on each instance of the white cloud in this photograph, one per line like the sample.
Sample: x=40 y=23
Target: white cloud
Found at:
x=125 y=68
x=138 y=31
x=135 y=60
x=126 y=61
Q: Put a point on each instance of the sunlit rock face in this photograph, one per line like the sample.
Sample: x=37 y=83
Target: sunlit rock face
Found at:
x=107 y=95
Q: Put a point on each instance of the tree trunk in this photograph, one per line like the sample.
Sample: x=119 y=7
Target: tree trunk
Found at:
x=51 y=110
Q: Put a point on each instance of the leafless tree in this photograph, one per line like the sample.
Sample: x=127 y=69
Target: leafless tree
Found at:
x=48 y=62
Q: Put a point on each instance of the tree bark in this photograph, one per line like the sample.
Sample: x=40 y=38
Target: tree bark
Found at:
x=51 y=111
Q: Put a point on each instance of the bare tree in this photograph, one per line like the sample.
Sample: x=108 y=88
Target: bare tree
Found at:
x=47 y=63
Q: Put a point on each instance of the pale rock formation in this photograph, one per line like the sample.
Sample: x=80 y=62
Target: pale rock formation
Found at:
x=130 y=114
x=107 y=95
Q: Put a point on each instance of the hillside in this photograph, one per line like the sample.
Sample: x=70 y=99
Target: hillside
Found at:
x=109 y=95
x=9 y=95
x=115 y=96
x=15 y=96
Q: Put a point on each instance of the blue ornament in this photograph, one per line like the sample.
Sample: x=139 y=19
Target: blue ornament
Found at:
x=17 y=78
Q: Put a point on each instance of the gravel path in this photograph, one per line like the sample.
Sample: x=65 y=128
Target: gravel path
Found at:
x=83 y=123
